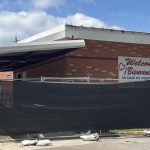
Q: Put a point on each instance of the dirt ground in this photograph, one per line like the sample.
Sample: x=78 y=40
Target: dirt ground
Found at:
x=55 y=144
x=118 y=143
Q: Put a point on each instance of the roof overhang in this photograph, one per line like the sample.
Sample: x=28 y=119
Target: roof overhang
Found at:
x=21 y=55
x=53 y=45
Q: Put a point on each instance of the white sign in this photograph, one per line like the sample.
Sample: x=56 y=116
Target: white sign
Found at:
x=133 y=68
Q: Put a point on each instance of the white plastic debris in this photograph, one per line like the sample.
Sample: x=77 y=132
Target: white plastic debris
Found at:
x=146 y=132
x=40 y=136
x=91 y=137
x=44 y=143
x=28 y=142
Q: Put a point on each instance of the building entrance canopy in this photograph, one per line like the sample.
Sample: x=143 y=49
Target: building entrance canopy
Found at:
x=21 y=55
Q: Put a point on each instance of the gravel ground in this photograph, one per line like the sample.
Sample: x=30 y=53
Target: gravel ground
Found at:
x=120 y=143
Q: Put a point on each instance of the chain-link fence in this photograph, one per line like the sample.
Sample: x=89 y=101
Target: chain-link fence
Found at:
x=72 y=106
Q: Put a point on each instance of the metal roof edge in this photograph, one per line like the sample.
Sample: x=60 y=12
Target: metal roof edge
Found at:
x=53 y=45
x=91 y=33
x=109 y=29
x=44 y=34
x=102 y=34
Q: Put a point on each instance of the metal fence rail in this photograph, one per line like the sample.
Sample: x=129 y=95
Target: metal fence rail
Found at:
x=85 y=80
x=75 y=80
x=79 y=80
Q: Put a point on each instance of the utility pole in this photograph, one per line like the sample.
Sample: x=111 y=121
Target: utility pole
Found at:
x=16 y=39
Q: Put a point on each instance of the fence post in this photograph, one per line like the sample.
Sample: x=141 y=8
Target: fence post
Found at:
x=42 y=79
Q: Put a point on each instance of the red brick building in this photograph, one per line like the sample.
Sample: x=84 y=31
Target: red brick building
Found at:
x=98 y=58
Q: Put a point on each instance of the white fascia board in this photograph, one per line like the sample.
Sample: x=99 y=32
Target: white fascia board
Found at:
x=55 y=45
x=79 y=32
x=49 y=35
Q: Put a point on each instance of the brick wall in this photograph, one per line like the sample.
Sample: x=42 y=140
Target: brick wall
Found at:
x=97 y=59
x=53 y=67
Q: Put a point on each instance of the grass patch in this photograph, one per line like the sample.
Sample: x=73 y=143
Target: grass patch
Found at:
x=123 y=131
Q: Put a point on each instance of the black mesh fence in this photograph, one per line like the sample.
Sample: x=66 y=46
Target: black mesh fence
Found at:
x=35 y=107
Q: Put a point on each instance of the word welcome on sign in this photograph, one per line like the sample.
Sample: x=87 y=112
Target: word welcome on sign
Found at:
x=133 y=68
